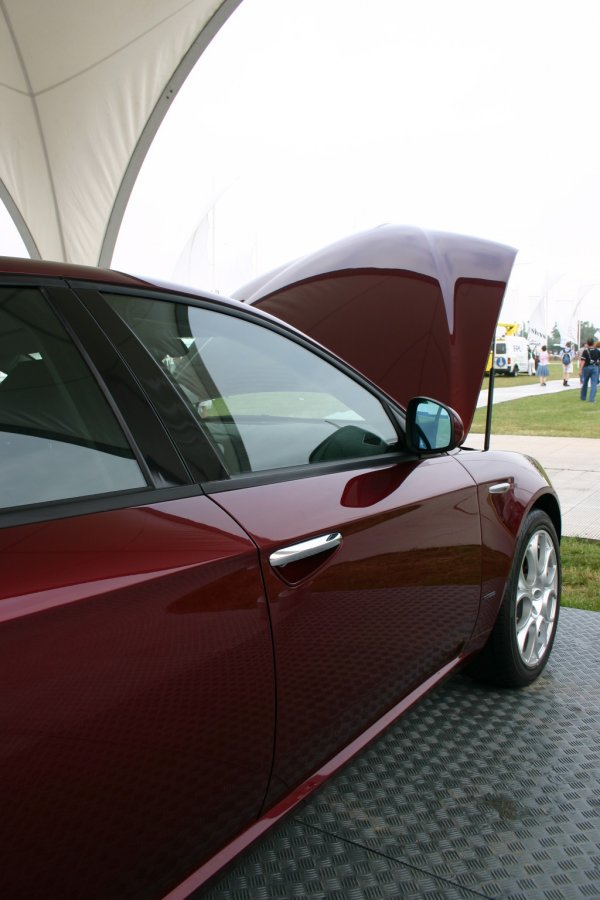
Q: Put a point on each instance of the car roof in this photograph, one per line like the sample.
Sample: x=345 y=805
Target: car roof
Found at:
x=17 y=265
x=42 y=268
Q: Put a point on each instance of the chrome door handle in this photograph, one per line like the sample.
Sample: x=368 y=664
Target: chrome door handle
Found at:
x=305 y=549
x=501 y=488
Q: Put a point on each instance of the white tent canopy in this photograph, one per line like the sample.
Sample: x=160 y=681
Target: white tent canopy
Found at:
x=84 y=86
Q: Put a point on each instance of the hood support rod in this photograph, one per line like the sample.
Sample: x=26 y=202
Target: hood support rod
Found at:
x=488 y=415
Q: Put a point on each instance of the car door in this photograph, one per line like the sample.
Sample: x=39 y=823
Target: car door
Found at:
x=137 y=702
x=371 y=557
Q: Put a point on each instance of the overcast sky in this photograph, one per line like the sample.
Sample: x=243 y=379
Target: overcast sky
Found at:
x=306 y=120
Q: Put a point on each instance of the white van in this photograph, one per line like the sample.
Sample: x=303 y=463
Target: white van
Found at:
x=511 y=356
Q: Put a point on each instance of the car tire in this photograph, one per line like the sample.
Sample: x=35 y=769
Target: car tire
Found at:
x=522 y=638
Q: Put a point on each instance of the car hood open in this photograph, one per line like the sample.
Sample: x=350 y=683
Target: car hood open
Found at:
x=413 y=310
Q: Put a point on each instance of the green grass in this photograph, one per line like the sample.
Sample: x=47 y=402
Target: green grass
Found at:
x=581 y=573
x=553 y=415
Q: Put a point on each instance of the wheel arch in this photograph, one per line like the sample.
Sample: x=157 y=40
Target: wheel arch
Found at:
x=504 y=660
x=548 y=503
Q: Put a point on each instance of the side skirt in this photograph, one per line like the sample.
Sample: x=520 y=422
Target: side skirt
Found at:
x=211 y=868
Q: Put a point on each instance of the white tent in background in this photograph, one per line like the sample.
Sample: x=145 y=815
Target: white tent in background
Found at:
x=565 y=303
x=567 y=325
x=538 y=325
x=569 y=299
x=84 y=85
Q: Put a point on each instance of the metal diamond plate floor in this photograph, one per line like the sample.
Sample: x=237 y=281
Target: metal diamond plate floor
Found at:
x=477 y=792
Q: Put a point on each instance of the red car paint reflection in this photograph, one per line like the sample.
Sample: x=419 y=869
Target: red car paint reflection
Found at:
x=137 y=672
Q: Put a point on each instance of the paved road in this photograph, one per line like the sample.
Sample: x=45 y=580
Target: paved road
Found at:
x=573 y=464
x=514 y=392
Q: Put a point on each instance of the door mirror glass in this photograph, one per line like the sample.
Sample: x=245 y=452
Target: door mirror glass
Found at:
x=432 y=427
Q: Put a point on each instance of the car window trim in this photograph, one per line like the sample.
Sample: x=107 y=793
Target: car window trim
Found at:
x=52 y=510
x=309 y=470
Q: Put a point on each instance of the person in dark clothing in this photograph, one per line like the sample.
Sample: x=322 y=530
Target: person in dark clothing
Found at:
x=589 y=366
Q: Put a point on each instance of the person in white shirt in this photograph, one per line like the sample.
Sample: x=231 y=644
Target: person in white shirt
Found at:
x=566 y=357
x=543 y=368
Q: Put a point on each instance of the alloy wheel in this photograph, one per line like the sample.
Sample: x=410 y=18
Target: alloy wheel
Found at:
x=536 y=598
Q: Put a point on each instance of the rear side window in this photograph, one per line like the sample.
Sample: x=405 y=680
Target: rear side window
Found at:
x=264 y=400
x=59 y=438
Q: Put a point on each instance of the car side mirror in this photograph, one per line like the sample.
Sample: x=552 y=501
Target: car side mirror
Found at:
x=432 y=427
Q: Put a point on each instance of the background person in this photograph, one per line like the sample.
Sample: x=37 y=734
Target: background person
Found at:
x=566 y=357
x=543 y=368
x=589 y=365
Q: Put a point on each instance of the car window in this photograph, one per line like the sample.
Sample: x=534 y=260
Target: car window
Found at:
x=58 y=435
x=264 y=400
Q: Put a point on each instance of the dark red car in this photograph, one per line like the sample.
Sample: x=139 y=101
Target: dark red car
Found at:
x=233 y=550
